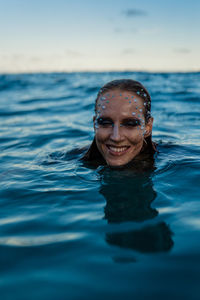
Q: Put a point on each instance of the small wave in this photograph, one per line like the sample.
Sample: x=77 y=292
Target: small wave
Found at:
x=33 y=241
x=10 y=82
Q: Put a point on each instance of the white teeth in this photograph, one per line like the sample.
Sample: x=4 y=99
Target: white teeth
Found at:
x=114 y=149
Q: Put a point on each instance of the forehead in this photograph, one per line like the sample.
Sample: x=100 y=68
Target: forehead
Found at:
x=119 y=103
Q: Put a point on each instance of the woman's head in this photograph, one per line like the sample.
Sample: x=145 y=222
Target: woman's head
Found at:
x=122 y=121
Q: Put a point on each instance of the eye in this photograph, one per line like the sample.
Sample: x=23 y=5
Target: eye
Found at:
x=104 y=122
x=131 y=123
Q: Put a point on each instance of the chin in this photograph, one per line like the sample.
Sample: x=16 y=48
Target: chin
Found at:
x=117 y=164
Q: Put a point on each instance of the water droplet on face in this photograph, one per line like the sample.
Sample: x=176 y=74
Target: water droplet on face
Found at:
x=138 y=93
x=140 y=109
x=129 y=101
x=145 y=104
x=103 y=98
x=103 y=106
x=135 y=100
x=133 y=113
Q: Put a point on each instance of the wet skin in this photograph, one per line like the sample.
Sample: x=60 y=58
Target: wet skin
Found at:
x=120 y=126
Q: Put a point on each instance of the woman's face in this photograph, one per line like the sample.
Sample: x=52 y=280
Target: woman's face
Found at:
x=120 y=126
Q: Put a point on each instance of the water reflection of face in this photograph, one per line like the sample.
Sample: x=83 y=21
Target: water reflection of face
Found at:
x=128 y=196
x=120 y=126
x=128 y=199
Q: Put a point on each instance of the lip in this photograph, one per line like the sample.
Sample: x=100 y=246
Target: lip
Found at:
x=116 y=150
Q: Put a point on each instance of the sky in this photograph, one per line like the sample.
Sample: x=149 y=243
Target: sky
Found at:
x=105 y=35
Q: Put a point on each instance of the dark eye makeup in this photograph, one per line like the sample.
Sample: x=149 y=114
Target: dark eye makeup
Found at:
x=104 y=121
x=129 y=123
x=132 y=122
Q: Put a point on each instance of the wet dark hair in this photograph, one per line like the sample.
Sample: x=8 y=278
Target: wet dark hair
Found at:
x=128 y=85
x=135 y=87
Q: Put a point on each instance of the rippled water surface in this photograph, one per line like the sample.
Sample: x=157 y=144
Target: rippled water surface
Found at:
x=69 y=231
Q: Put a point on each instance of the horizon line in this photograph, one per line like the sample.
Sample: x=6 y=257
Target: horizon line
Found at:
x=96 y=71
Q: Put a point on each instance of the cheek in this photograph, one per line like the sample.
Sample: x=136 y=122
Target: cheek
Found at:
x=102 y=134
x=135 y=136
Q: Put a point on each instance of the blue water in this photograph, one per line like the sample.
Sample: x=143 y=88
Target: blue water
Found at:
x=70 y=231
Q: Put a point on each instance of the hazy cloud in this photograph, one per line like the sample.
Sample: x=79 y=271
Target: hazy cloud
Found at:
x=128 y=51
x=73 y=53
x=182 y=50
x=125 y=30
x=118 y=30
x=134 y=12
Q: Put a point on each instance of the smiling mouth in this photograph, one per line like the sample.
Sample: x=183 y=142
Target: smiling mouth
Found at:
x=117 y=151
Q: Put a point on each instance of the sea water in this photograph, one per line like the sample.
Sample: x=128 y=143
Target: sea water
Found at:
x=70 y=231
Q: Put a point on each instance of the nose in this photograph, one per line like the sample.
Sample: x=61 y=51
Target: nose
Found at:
x=116 y=135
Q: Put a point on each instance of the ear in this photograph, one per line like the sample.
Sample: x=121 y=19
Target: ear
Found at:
x=148 y=128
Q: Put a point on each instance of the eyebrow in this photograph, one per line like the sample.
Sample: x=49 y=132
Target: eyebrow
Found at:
x=130 y=119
